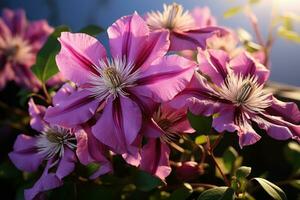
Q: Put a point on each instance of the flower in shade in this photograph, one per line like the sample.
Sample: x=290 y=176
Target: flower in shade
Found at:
x=165 y=127
x=187 y=30
x=117 y=91
x=233 y=91
x=19 y=43
x=56 y=147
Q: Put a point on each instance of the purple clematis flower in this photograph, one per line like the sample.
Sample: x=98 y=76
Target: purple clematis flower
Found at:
x=187 y=30
x=117 y=91
x=232 y=91
x=19 y=43
x=57 y=147
x=165 y=126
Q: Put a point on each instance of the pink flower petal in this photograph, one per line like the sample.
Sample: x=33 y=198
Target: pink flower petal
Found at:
x=62 y=94
x=225 y=120
x=79 y=55
x=203 y=17
x=155 y=158
x=77 y=108
x=244 y=64
x=172 y=72
x=214 y=64
x=247 y=135
x=119 y=124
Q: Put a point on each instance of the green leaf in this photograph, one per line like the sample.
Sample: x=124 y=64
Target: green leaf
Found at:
x=243 y=172
x=201 y=124
x=292 y=154
x=145 y=181
x=233 y=11
x=218 y=193
x=45 y=66
x=92 y=30
x=182 y=193
x=229 y=157
x=295 y=183
x=288 y=34
x=202 y=139
x=272 y=189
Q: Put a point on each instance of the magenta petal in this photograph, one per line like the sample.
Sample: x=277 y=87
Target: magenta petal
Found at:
x=36 y=113
x=133 y=160
x=24 y=155
x=151 y=129
x=90 y=150
x=79 y=55
x=47 y=181
x=128 y=37
x=288 y=111
x=245 y=65
x=79 y=105
x=214 y=64
x=225 y=120
x=191 y=40
x=62 y=94
x=66 y=164
x=119 y=124
x=16 y=20
x=155 y=158
x=172 y=72
x=247 y=135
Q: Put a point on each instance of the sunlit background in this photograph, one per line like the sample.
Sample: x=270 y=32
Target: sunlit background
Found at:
x=77 y=14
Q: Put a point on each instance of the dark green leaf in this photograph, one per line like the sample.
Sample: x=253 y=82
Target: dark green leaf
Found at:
x=219 y=193
x=92 y=30
x=229 y=157
x=145 y=181
x=182 y=193
x=233 y=11
x=45 y=66
x=201 y=124
x=292 y=154
x=272 y=189
x=243 y=172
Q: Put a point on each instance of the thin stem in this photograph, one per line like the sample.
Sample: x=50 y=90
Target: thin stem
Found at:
x=205 y=185
x=255 y=26
x=47 y=95
x=178 y=148
x=227 y=182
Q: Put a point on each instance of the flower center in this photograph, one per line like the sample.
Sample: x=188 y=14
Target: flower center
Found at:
x=15 y=49
x=172 y=18
x=166 y=121
x=245 y=93
x=115 y=76
x=54 y=140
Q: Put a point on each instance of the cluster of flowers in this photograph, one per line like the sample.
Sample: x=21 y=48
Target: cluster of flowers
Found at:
x=136 y=102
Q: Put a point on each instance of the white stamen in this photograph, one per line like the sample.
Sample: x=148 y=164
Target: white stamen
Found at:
x=173 y=18
x=53 y=141
x=115 y=76
x=15 y=48
x=245 y=92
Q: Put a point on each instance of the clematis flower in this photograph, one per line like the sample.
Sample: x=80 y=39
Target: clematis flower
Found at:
x=19 y=43
x=56 y=147
x=187 y=30
x=165 y=126
x=233 y=91
x=118 y=90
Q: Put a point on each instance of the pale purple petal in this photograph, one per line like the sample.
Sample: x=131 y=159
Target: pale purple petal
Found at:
x=288 y=111
x=194 y=38
x=15 y=20
x=77 y=108
x=47 y=181
x=225 y=120
x=214 y=64
x=172 y=72
x=36 y=113
x=119 y=124
x=128 y=37
x=244 y=64
x=79 y=55
x=66 y=164
x=203 y=17
x=155 y=158
x=25 y=155
x=61 y=95
x=247 y=135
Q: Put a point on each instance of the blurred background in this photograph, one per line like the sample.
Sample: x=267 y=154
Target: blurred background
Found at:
x=285 y=57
